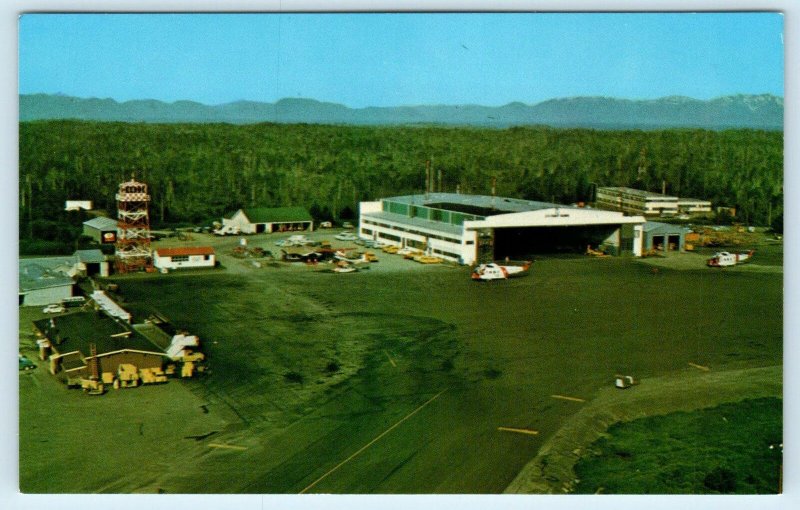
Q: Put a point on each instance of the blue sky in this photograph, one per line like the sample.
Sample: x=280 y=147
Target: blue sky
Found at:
x=401 y=59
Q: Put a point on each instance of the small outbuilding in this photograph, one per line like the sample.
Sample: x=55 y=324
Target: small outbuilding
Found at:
x=664 y=237
x=45 y=281
x=91 y=263
x=184 y=257
x=78 y=205
x=101 y=229
x=268 y=220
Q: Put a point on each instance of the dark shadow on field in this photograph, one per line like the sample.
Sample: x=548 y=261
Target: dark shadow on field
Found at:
x=310 y=368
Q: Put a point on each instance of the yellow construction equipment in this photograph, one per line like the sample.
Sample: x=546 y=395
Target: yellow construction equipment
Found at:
x=127 y=376
x=152 y=375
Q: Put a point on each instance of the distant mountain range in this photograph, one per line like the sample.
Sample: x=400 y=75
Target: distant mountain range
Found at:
x=740 y=111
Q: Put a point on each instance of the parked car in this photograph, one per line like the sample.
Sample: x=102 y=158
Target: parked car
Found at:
x=53 y=309
x=347 y=224
x=25 y=363
x=345 y=236
x=326 y=224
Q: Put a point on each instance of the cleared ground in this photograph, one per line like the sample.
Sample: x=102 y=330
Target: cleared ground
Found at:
x=391 y=380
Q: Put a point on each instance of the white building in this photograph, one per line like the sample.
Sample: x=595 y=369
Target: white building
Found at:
x=77 y=205
x=477 y=228
x=694 y=206
x=259 y=220
x=184 y=257
x=636 y=201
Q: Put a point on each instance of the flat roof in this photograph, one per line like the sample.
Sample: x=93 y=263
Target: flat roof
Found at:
x=634 y=191
x=185 y=250
x=657 y=226
x=79 y=330
x=90 y=256
x=693 y=201
x=482 y=205
x=102 y=223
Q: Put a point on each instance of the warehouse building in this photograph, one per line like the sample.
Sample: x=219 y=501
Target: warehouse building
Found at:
x=636 y=201
x=268 y=220
x=664 y=237
x=101 y=229
x=477 y=228
x=648 y=203
x=184 y=257
x=66 y=342
x=694 y=206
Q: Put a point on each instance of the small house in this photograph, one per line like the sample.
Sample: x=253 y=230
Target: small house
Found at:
x=184 y=257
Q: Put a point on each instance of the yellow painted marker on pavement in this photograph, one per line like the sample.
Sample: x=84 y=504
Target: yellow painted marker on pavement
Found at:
x=564 y=397
x=519 y=431
x=227 y=446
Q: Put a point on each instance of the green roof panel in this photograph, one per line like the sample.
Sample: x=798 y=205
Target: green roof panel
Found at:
x=277 y=214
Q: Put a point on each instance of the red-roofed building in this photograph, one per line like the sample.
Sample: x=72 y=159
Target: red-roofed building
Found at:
x=175 y=258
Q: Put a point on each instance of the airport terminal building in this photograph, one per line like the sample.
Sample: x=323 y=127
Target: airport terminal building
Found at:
x=477 y=228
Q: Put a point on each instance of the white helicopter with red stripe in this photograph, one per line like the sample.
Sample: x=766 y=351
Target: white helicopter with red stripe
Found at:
x=500 y=271
x=726 y=259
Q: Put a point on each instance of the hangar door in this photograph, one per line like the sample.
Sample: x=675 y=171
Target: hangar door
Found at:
x=518 y=243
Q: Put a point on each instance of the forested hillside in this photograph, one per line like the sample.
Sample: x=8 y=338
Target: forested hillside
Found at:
x=197 y=172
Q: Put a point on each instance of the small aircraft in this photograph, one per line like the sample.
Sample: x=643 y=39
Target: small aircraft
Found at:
x=725 y=259
x=497 y=271
x=301 y=256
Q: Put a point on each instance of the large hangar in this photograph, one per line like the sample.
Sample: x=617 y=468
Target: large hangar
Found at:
x=479 y=228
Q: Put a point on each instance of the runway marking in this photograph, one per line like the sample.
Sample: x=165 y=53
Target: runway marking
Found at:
x=699 y=367
x=564 y=397
x=348 y=459
x=227 y=446
x=519 y=431
x=390 y=359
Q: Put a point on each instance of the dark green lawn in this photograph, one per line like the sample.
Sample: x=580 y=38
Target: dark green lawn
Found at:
x=730 y=449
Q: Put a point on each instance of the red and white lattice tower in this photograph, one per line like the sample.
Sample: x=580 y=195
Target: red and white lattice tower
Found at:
x=133 y=228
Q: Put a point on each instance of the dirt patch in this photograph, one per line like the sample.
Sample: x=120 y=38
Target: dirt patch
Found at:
x=551 y=472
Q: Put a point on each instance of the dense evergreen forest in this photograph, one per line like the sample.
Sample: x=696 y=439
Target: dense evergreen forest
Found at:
x=198 y=172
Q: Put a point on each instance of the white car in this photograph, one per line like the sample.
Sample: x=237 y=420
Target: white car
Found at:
x=345 y=236
x=53 y=309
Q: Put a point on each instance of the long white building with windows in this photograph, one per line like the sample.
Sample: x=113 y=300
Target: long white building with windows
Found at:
x=477 y=228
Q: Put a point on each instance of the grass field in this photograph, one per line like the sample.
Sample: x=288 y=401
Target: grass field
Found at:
x=730 y=449
x=392 y=380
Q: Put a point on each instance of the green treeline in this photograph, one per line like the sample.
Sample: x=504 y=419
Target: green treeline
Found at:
x=197 y=172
